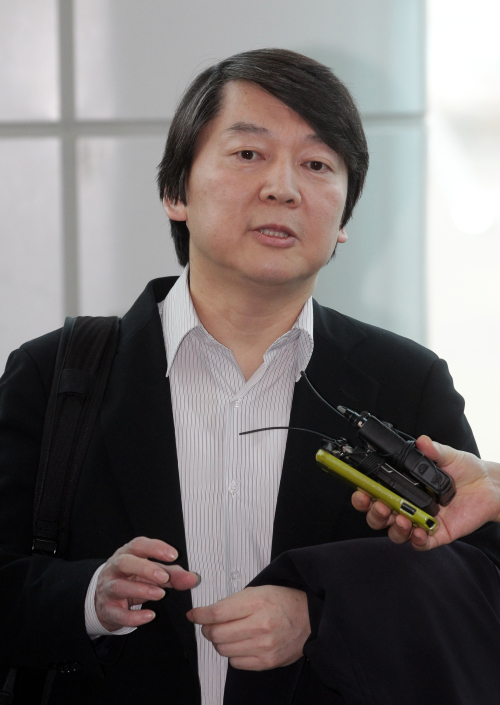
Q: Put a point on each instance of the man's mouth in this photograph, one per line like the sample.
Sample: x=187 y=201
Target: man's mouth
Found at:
x=277 y=230
x=273 y=233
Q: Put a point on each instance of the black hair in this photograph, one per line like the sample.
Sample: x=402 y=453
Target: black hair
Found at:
x=309 y=88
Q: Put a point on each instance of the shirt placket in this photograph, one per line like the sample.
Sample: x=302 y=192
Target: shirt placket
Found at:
x=230 y=381
x=233 y=498
x=235 y=538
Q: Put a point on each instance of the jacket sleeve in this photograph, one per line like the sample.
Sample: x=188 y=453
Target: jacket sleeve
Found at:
x=441 y=416
x=44 y=622
x=441 y=411
x=397 y=625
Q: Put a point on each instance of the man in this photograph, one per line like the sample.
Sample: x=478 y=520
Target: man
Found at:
x=264 y=163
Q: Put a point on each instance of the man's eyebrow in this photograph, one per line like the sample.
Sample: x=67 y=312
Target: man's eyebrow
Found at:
x=314 y=137
x=249 y=128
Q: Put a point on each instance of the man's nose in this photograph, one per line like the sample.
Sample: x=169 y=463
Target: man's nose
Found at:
x=281 y=184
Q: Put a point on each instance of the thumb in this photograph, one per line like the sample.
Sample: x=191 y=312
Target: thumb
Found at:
x=440 y=454
x=181 y=579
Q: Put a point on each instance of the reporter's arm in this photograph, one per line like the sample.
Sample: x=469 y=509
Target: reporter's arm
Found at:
x=440 y=415
x=476 y=502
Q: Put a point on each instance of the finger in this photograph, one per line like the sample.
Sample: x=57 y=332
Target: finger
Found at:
x=253 y=654
x=150 y=548
x=181 y=579
x=121 y=589
x=229 y=632
x=237 y=606
x=251 y=663
x=246 y=663
x=162 y=568
x=126 y=618
x=135 y=601
x=244 y=648
x=133 y=567
x=401 y=530
x=440 y=454
x=361 y=501
x=379 y=516
x=420 y=540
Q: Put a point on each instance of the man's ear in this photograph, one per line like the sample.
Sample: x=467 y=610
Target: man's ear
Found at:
x=342 y=236
x=175 y=211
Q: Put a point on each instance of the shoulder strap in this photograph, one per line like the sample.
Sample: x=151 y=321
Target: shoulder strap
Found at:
x=83 y=364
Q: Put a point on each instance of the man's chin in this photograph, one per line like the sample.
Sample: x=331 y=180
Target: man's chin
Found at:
x=278 y=278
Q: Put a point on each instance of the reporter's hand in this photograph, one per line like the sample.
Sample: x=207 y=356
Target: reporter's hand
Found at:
x=129 y=578
x=259 y=628
x=477 y=500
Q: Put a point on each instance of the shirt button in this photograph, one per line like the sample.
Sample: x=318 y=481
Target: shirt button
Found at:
x=237 y=404
x=232 y=488
x=235 y=575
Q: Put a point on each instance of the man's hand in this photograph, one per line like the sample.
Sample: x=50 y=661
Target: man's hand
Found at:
x=257 y=629
x=129 y=578
x=477 y=500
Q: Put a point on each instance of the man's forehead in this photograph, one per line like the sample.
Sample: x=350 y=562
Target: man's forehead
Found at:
x=242 y=127
x=248 y=108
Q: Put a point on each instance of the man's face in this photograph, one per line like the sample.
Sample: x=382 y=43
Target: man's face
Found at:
x=265 y=195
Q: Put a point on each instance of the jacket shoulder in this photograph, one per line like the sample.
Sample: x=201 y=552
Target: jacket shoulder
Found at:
x=392 y=344
x=415 y=388
x=42 y=352
x=363 y=343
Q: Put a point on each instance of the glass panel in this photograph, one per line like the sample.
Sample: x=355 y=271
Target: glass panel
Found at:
x=134 y=59
x=28 y=60
x=31 y=261
x=464 y=205
x=124 y=233
x=377 y=275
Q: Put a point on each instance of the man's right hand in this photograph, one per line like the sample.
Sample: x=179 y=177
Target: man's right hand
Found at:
x=129 y=578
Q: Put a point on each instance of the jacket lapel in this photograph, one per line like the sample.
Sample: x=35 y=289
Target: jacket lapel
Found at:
x=138 y=429
x=310 y=502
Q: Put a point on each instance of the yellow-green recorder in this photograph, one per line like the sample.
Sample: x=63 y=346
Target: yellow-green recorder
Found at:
x=329 y=462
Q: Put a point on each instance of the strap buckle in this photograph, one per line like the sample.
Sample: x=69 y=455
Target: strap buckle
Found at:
x=44 y=547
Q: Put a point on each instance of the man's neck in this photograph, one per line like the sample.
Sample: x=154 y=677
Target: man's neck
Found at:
x=246 y=318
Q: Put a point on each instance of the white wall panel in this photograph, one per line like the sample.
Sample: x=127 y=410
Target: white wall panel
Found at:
x=124 y=233
x=377 y=275
x=463 y=248
x=30 y=259
x=135 y=57
x=28 y=60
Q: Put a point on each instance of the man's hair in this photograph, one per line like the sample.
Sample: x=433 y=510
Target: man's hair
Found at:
x=304 y=85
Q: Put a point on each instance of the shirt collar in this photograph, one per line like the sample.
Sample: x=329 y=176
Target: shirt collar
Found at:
x=179 y=318
x=305 y=344
x=305 y=320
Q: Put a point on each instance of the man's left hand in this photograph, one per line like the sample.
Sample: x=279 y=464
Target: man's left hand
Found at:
x=259 y=628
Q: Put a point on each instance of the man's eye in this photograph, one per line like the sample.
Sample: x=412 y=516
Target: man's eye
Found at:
x=247 y=154
x=317 y=166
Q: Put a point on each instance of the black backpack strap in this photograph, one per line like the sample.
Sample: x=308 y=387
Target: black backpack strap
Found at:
x=84 y=358
x=7 y=692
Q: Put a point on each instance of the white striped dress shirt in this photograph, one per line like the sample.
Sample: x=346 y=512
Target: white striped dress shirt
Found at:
x=229 y=483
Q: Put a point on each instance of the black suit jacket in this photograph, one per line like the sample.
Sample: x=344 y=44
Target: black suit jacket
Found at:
x=129 y=487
